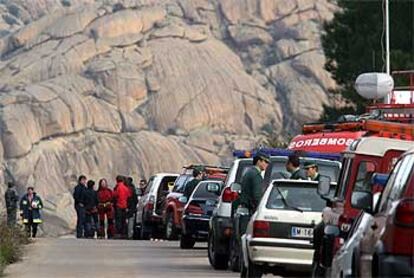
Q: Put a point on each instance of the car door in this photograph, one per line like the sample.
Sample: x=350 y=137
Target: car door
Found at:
x=144 y=199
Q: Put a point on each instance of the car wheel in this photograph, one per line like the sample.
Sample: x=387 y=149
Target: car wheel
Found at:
x=186 y=242
x=253 y=270
x=234 y=256
x=145 y=234
x=218 y=261
x=170 y=230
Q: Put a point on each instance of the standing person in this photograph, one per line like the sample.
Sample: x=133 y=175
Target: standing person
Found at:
x=79 y=197
x=105 y=208
x=191 y=185
x=293 y=167
x=312 y=171
x=30 y=206
x=121 y=195
x=12 y=198
x=143 y=185
x=132 y=207
x=251 y=183
x=91 y=211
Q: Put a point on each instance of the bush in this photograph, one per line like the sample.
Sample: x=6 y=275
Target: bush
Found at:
x=11 y=241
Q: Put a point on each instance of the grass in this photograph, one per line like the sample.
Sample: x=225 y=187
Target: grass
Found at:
x=11 y=242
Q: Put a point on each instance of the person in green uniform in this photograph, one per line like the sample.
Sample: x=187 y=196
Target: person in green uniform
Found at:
x=251 y=183
x=293 y=167
x=312 y=171
x=191 y=185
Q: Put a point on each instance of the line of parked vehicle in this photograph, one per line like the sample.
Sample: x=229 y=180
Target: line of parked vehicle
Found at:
x=367 y=231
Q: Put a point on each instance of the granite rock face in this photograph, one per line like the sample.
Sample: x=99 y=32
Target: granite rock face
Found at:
x=140 y=86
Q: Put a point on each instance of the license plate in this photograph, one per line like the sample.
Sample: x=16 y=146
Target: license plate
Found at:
x=302 y=232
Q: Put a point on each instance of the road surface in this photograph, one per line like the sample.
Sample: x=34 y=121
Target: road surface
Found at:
x=70 y=257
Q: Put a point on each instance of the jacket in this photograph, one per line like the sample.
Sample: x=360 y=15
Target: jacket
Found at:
x=132 y=200
x=34 y=206
x=91 y=199
x=251 y=189
x=298 y=175
x=79 y=194
x=11 y=198
x=121 y=194
x=190 y=186
x=105 y=195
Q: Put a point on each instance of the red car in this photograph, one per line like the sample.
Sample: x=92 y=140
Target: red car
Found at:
x=387 y=249
x=173 y=210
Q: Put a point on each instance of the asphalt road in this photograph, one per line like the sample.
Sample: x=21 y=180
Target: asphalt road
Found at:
x=69 y=257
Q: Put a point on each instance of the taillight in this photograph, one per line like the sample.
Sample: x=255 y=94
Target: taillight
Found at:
x=404 y=214
x=150 y=204
x=261 y=229
x=193 y=209
x=229 y=195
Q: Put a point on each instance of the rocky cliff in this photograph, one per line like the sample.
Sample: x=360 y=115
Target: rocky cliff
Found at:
x=140 y=86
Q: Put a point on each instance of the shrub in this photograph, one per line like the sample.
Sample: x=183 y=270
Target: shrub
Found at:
x=11 y=241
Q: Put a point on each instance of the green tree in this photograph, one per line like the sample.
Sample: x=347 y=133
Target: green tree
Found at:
x=353 y=43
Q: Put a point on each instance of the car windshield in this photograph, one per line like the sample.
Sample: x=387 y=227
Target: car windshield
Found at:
x=325 y=167
x=302 y=196
x=202 y=193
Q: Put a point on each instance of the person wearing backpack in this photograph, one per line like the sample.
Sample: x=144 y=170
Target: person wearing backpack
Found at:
x=12 y=198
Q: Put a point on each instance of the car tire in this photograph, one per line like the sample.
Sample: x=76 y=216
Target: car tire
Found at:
x=170 y=230
x=137 y=233
x=144 y=233
x=253 y=270
x=234 y=256
x=217 y=261
x=186 y=242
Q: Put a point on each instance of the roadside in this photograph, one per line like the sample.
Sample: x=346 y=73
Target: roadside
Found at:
x=11 y=245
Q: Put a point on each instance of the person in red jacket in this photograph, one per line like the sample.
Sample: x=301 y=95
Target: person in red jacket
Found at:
x=121 y=195
x=105 y=209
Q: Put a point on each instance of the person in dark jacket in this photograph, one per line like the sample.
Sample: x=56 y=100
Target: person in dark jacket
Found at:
x=132 y=206
x=105 y=209
x=79 y=198
x=121 y=195
x=251 y=183
x=191 y=185
x=293 y=167
x=91 y=210
x=12 y=199
x=30 y=206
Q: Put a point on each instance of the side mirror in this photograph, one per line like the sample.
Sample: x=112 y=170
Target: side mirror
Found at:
x=235 y=187
x=213 y=188
x=324 y=185
x=362 y=200
x=183 y=199
x=379 y=179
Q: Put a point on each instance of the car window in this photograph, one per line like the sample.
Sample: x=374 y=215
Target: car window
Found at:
x=149 y=186
x=179 y=183
x=244 y=165
x=202 y=193
x=366 y=170
x=303 y=197
x=397 y=182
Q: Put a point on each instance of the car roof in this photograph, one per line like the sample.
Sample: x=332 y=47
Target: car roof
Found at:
x=166 y=174
x=378 y=146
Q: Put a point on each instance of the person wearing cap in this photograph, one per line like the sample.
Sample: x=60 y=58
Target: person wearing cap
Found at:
x=312 y=171
x=12 y=198
x=251 y=183
x=293 y=167
x=30 y=206
x=191 y=185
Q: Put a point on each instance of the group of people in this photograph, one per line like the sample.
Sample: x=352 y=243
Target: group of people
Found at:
x=30 y=206
x=114 y=209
